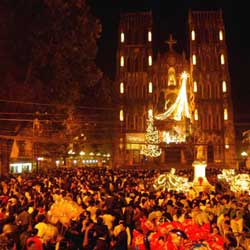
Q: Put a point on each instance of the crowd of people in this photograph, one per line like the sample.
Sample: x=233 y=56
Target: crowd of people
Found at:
x=118 y=209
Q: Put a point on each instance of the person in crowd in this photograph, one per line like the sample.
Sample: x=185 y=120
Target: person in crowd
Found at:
x=120 y=241
x=36 y=240
x=110 y=196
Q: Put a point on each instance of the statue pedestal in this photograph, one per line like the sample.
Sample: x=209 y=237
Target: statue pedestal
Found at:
x=200 y=182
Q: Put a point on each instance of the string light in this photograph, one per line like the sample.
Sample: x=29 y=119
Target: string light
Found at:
x=151 y=148
x=180 y=107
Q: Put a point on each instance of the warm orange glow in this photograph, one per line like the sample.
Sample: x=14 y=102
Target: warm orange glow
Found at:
x=194 y=59
x=224 y=86
x=150 y=36
x=222 y=59
x=225 y=114
x=221 y=35
x=150 y=60
x=193 y=35
x=150 y=87
x=122 y=37
x=122 y=61
x=196 y=115
x=121 y=115
x=195 y=87
x=121 y=88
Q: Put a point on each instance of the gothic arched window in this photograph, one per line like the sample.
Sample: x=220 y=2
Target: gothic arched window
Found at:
x=171 y=77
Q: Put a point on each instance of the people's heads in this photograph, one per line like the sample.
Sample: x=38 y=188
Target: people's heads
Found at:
x=41 y=217
x=225 y=199
x=199 y=246
x=34 y=232
x=177 y=236
x=8 y=229
x=31 y=245
x=195 y=206
x=122 y=224
x=226 y=216
x=227 y=224
x=99 y=220
x=215 y=230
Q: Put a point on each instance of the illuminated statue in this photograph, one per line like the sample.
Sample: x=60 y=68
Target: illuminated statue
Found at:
x=200 y=155
x=171 y=181
x=171 y=77
x=238 y=183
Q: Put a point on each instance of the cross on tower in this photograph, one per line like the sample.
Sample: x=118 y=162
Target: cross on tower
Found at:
x=171 y=42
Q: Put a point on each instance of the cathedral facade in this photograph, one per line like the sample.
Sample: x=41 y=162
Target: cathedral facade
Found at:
x=176 y=104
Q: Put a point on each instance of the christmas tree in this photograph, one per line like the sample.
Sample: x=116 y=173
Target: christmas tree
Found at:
x=151 y=148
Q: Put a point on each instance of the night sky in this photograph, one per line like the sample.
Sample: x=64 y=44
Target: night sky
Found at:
x=171 y=17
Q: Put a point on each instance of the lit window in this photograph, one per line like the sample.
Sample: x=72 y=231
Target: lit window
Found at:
x=222 y=59
x=150 y=60
x=150 y=36
x=150 y=87
x=121 y=115
x=193 y=35
x=226 y=143
x=221 y=35
x=122 y=37
x=122 y=61
x=194 y=59
x=196 y=115
x=225 y=115
x=121 y=88
x=150 y=112
x=224 y=86
x=195 y=87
